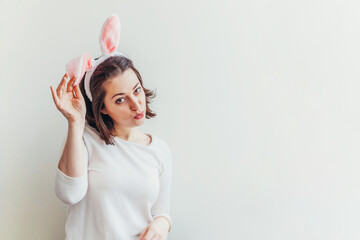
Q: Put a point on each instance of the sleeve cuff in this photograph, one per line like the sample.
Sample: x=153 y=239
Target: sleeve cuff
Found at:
x=167 y=216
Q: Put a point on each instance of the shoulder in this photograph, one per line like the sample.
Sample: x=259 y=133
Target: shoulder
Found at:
x=91 y=135
x=162 y=148
x=89 y=131
x=160 y=142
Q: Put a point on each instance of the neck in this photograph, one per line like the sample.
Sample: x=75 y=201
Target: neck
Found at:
x=125 y=133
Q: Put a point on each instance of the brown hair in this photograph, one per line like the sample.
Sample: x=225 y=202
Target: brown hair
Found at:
x=108 y=69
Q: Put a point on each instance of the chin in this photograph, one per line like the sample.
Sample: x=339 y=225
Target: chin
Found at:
x=139 y=122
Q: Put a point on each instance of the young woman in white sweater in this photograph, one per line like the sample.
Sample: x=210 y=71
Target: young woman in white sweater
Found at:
x=115 y=178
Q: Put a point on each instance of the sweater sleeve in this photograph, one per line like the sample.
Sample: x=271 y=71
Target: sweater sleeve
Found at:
x=162 y=205
x=71 y=190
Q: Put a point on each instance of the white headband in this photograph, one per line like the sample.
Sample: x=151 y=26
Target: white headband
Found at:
x=90 y=72
x=109 y=42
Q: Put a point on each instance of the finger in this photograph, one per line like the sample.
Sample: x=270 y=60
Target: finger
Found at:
x=71 y=83
x=142 y=235
x=55 y=97
x=150 y=235
x=61 y=86
x=78 y=92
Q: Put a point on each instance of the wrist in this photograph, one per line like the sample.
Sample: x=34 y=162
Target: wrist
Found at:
x=165 y=221
x=76 y=125
x=75 y=130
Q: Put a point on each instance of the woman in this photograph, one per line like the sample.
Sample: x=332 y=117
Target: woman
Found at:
x=115 y=178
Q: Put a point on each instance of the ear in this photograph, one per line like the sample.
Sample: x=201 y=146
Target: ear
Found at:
x=110 y=34
x=103 y=111
x=78 y=66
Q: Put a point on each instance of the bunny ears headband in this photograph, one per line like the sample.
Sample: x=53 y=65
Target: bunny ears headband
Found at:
x=109 y=41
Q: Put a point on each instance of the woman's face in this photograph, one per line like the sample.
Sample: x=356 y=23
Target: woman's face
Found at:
x=124 y=99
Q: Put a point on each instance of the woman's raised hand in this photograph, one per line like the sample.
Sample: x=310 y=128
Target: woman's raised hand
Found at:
x=72 y=107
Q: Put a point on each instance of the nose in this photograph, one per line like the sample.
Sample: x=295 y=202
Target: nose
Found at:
x=135 y=104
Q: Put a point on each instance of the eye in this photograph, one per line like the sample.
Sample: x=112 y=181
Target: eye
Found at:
x=139 y=88
x=117 y=101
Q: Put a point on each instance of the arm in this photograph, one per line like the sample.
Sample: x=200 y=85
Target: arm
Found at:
x=161 y=208
x=71 y=162
x=71 y=177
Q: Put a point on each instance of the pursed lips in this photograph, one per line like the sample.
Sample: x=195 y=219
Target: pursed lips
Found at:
x=139 y=115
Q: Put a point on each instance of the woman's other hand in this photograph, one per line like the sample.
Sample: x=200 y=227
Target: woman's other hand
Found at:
x=156 y=230
x=72 y=107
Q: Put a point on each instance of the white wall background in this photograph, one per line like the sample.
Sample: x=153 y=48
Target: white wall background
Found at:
x=258 y=101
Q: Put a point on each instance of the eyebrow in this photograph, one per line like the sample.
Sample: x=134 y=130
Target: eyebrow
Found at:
x=123 y=93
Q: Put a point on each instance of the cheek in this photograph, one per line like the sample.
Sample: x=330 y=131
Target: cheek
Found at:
x=117 y=110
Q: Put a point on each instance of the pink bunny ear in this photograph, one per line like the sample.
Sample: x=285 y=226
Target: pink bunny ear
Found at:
x=78 y=66
x=110 y=34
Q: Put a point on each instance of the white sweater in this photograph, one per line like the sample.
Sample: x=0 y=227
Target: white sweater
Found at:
x=125 y=187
